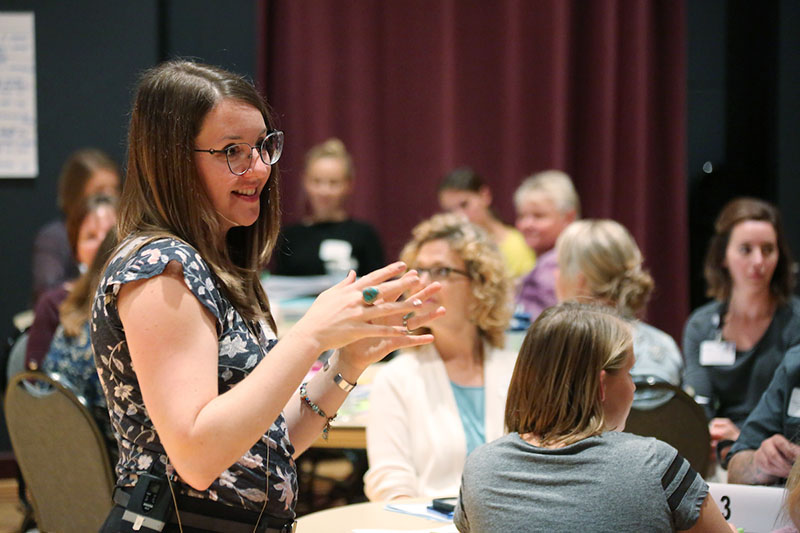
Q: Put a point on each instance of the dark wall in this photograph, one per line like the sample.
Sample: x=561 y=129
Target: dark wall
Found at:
x=89 y=54
x=743 y=111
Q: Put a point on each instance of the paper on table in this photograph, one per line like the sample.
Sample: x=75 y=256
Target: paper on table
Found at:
x=417 y=509
x=450 y=528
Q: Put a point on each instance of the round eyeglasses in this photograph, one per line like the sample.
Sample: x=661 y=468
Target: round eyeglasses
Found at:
x=240 y=155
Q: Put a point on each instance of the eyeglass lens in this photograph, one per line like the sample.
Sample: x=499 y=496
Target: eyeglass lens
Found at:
x=438 y=273
x=240 y=155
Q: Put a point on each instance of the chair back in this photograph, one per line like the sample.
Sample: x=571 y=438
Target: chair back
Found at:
x=61 y=453
x=676 y=420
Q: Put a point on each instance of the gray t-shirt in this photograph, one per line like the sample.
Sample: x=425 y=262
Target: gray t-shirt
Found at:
x=611 y=482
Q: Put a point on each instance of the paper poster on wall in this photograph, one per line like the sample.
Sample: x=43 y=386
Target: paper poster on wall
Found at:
x=18 y=139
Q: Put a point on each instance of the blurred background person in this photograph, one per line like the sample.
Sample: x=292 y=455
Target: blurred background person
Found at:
x=599 y=261
x=85 y=173
x=70 y=354
x=734 y=344
x=566 y=465
x=86 y=227
x=546 y=203
x=464 y=191
x=430 y=407
x=328 y=240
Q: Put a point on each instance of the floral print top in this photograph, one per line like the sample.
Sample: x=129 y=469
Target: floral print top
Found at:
x=71 y=359
x=242 y=484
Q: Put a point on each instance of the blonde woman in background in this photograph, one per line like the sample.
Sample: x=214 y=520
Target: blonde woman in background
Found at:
x=598 y=261
x=328 y=240
x=463 y=191
x=546 y=203
x=430 y=407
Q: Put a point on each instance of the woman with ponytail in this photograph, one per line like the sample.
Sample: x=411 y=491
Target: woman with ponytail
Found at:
x=598 y=261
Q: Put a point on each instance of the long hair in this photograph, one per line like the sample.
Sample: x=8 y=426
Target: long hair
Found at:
x=79 y=213
x=74 y=311
x=607 y=256
x=555 y=388
x=163 y=194
x=77 y=170
x=739 y=210
x=491 y=310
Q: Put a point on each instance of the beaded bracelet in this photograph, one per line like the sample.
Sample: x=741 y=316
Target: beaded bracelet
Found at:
x=316 y=408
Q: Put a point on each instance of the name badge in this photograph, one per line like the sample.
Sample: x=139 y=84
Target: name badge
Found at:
x=794 y=403
x=717 y=353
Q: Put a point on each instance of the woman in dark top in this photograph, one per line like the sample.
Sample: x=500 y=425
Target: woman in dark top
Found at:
x=734 y=344
x=207 y=404
x=328 y=240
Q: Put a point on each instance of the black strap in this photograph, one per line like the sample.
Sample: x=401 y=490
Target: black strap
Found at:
x=205 y=515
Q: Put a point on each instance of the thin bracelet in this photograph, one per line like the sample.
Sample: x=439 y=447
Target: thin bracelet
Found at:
x=338 y=379
x=317 y=409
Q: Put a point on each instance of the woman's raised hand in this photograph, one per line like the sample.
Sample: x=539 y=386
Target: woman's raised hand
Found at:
x=367 y=308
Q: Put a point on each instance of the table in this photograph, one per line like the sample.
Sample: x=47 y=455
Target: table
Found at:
x=363 y=516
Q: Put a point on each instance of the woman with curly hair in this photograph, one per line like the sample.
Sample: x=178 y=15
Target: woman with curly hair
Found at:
x=430 y=407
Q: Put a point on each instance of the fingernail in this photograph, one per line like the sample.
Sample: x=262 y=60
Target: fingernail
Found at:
x=416 y=302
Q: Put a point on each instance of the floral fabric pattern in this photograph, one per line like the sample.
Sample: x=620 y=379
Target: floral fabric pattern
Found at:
x=241 y=485
x=72 y=360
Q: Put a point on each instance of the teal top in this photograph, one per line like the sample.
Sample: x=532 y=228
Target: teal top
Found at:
x=472 y=410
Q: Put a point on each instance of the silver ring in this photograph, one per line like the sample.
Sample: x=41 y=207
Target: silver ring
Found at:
x=406 y=318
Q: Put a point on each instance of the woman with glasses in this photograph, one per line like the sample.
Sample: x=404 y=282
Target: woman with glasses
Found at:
x=431 y=406
x=207 y=404
x=328 y=240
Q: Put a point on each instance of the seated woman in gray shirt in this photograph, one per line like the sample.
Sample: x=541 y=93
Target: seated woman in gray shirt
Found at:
x=598 y=261
x=566 y=465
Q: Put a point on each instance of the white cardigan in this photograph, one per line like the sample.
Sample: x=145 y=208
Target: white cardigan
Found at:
x=415 y=440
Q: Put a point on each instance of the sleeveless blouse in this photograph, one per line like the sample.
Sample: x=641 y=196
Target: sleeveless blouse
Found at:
x=240 y=350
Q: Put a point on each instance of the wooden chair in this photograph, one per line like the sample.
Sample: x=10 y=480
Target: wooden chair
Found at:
x=676 y=420
x=61 y=453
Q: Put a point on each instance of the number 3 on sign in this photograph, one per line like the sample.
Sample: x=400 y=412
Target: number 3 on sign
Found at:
x=726 y=507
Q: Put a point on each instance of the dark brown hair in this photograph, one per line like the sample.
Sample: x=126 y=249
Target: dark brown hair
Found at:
x=554 y=392
x=76 y=172
x=163 y=194
x=462 y=179
x=736 y=211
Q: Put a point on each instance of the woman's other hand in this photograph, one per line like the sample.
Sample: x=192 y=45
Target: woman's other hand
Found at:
x=340 y=315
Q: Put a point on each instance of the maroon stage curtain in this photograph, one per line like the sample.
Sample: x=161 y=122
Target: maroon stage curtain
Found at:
x=417 y=87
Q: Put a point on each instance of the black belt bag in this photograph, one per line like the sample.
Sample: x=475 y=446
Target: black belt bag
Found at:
x=148 y=514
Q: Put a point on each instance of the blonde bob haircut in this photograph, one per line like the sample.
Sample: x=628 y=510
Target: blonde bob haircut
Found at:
x=490 y=311
x=333 y=148
x=607 y=256
x=163 y=195
x=555 y=388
